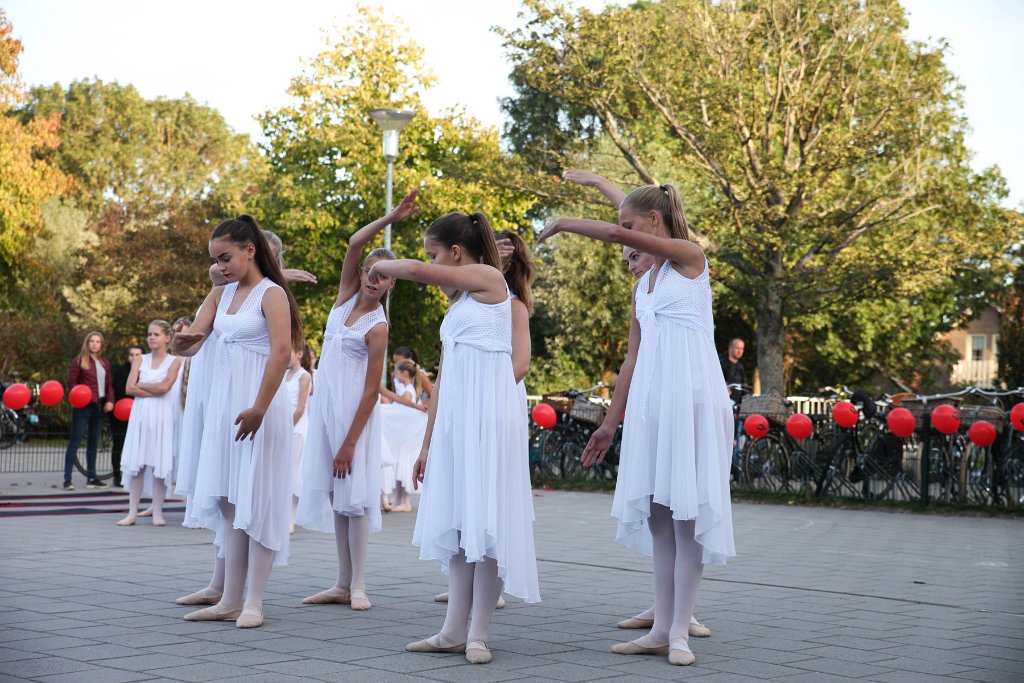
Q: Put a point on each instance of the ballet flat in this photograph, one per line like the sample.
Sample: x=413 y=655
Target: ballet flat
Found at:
x=633 y=622
x=127 y=521
x=633 y=648
x=209 y=614
x=148 y=512
x=359 y=601
x=441 y=597
x=477 y=653
x=328 y=598
x=426 y=646
x=197 y=599
x=249 y=618
x=501 y=603
x=679 y=653
x=699 y=631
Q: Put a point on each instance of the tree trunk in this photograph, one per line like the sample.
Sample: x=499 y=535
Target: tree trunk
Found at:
x=771 y=342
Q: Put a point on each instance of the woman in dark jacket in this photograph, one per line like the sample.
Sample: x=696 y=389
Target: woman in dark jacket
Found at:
x=93 y=370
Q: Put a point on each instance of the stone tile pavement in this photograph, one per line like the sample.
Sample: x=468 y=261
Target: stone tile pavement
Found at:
x=816 y=595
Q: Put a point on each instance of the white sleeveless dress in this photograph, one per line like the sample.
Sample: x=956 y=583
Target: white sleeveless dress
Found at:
x=402 y=429
x=340 y=378
x=677 y=436
x=255 y=475
x=197 y=394
x=294 y=387
x=476 y=490
x=149 y=441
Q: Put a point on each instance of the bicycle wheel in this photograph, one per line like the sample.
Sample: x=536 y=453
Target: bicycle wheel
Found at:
x=766 y=465
x=104 y=468
x=976 y=475
x=1011 y=475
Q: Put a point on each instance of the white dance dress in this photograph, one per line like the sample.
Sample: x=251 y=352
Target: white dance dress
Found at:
x=677 y=435
x=197 y=393
x=255 y=475
x=150 y=439
x=402 y=429
x=476 y=490
x=340 y=380
x=294 y=388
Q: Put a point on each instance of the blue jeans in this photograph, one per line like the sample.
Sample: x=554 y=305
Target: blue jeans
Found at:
x=91 y=418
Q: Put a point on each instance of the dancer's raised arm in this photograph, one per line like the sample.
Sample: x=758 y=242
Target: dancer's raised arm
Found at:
x=600 y=183
x=349 y=284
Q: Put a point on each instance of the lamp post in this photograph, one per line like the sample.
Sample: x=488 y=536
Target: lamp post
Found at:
x=391 y=122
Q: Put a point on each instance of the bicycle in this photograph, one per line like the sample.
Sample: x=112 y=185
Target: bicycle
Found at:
x=558 y=449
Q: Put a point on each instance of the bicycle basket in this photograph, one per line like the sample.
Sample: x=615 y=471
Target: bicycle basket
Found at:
x=922 y=410
x=588 y=411
x=559 y=401
x=971 y=414
x=771 y=406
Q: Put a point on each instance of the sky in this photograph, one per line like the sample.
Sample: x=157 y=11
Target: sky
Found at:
x=238 y=56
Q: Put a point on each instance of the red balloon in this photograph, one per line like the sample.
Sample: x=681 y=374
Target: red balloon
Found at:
x=756 y=426
x=123 y=409
x=17 y=396
x=80 y=396
x=799 y=426
x=845 y=414
x=901 y=422
x=946 y=419
x=51 y=393
x=982 y=433
x=1017 y=417
x=544 y=415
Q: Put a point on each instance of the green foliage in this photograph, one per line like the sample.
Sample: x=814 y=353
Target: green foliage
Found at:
x=328 y=171
x=821 y=155
x=1011 y=323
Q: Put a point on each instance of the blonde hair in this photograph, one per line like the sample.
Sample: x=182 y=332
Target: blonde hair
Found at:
x=665 y=200
x=84 y=357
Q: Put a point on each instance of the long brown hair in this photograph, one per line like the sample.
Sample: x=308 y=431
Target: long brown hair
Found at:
x=519 y=270
x=471 y=232
x=411 y=368
x=242 y=231
x=84 y=358
x=665 y=200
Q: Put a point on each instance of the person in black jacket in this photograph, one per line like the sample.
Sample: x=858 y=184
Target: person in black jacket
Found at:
x=732 y=368
x=118 y=429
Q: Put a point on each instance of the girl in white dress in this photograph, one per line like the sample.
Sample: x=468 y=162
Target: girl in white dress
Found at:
x=147 y=462
x=637 y=263
x=403 y=424
x=192 y=425
x=673 y=479
x=243 y=481
x=340 y=487
x=297 y=381
x=476 y=510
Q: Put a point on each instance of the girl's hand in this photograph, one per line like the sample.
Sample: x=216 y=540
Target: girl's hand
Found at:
x=597 y=447
x=342 y=465
x=296 y=416
x=248 y=421
x=406 y=209
x=108 y=407
x=419 y=469
x=423 y=406
x=550 y=230
x=505 y=249
x=188 y=339
x=380 y=270
x=585 y=178
x=295 y=275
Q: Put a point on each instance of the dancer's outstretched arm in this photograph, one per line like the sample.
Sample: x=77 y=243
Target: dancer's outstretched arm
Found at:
x=349 y=284
x=602 y=184
x=187 y=344
x=485 y=283
x=683 y=252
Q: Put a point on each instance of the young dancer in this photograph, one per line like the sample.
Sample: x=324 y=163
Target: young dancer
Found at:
x=297 y=380
x=340 y=488
x=674 y=469
x=147 y=462
x=426 y=386
x=476 y=510
x=243 y=481
x=192 y=425
x=403 y=423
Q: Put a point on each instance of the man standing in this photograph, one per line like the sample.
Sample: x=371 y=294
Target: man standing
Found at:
x=119 y=429
x=732 y=368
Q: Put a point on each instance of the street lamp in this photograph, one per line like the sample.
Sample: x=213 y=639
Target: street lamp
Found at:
x=391 y=121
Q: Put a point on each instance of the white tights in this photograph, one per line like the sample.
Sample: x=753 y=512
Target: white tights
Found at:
x=351 y=536
x=135 y=495
x=678 y=567
x=473 y=591
x=247 y=565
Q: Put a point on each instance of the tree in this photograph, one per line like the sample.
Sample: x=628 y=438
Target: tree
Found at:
x=328 y=173
x=822 y=155
x=1011 y=324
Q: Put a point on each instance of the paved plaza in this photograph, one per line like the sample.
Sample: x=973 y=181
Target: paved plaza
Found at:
x=816 y=595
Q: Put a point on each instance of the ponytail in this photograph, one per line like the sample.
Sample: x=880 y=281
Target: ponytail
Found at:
x=412 y=368
x=471 y=232
x=666 y=201
x=519 y=269
x=244 y=230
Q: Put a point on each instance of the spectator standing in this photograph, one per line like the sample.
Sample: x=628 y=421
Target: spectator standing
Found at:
x=732 y=368
x=91 y=369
